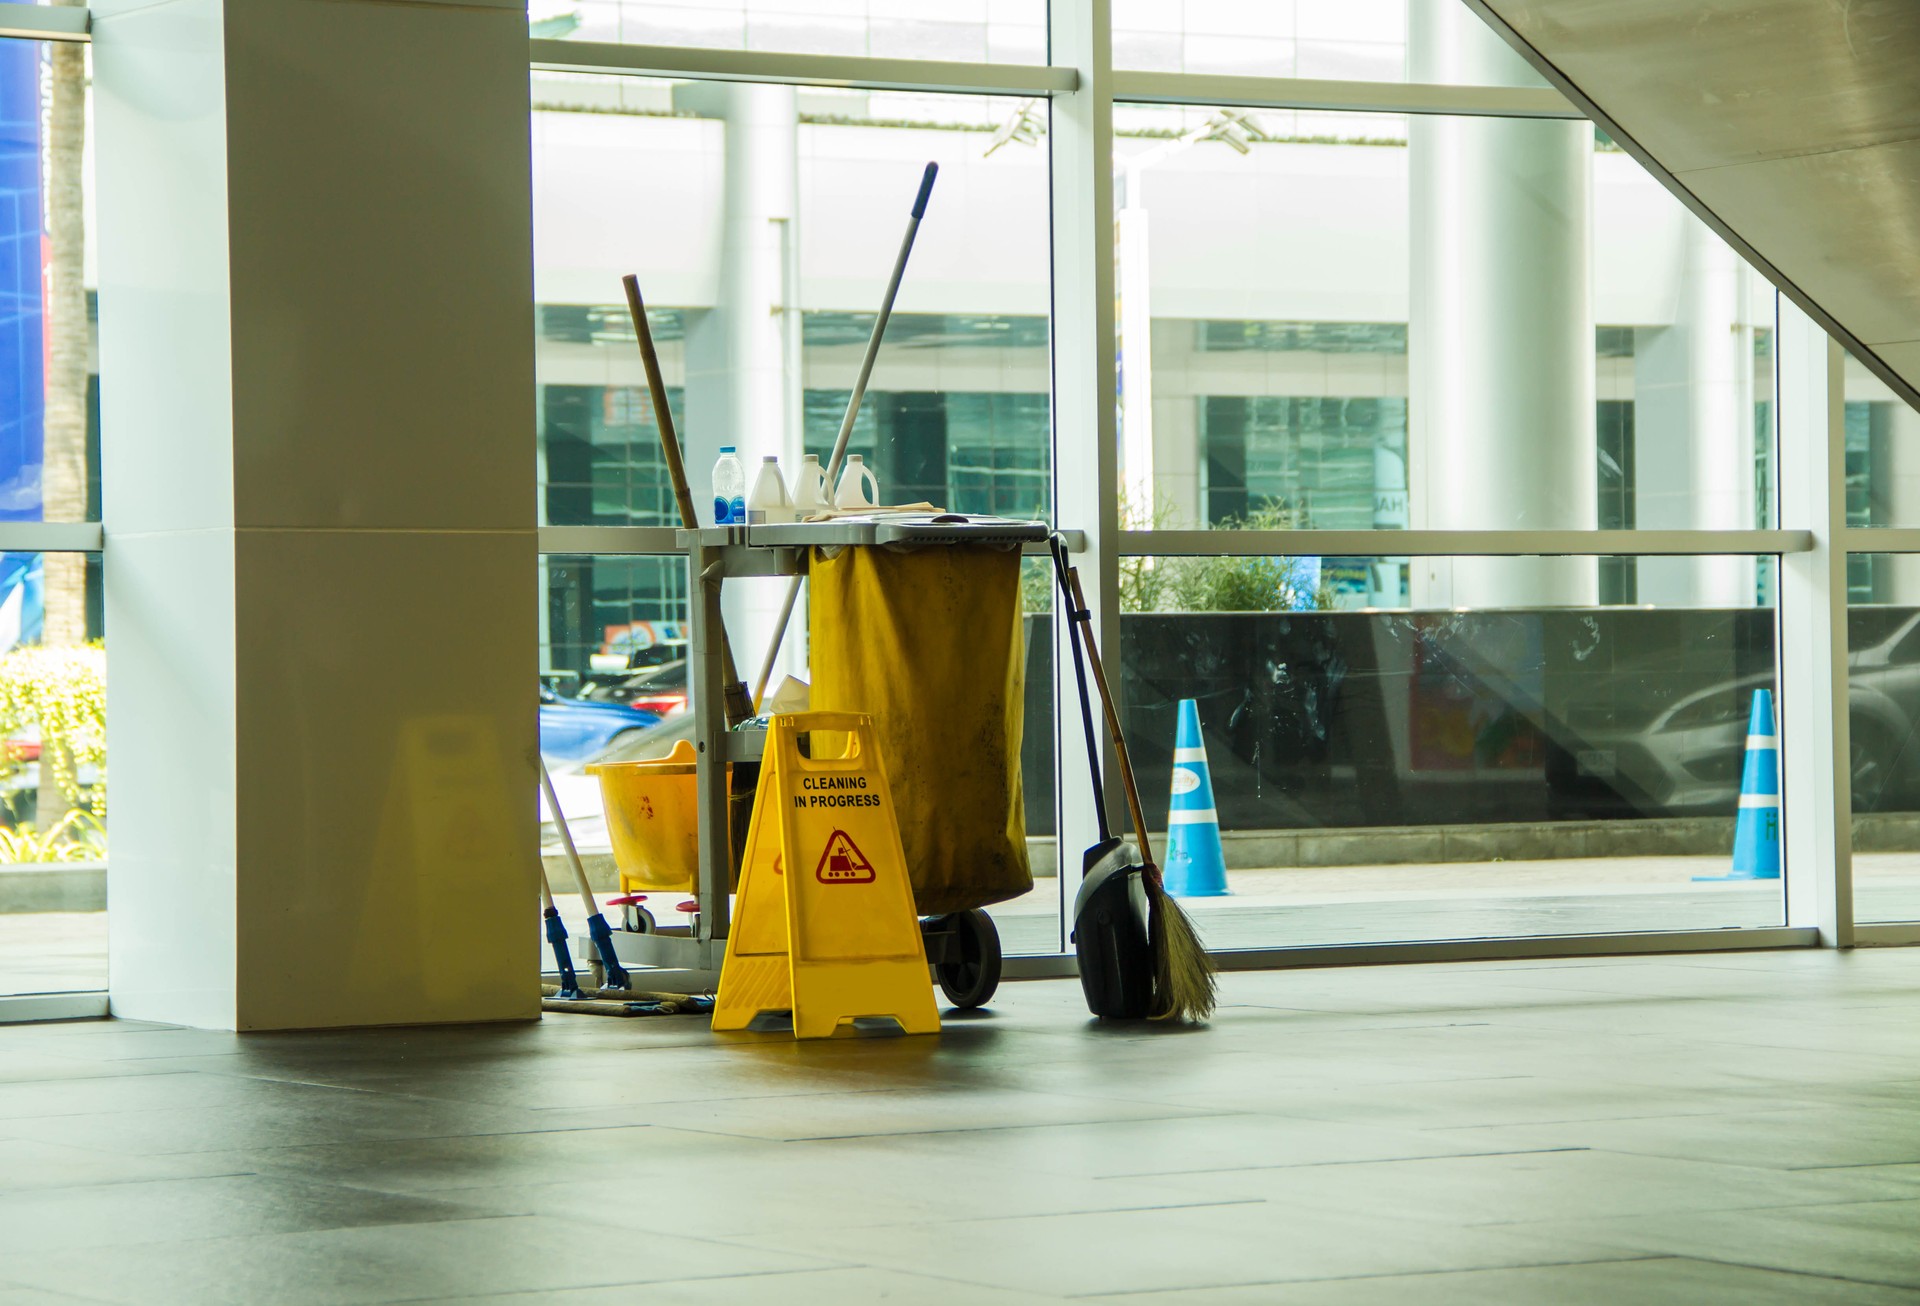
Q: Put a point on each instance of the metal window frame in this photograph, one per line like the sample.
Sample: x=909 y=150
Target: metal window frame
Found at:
x=33 y=22
x=1083 y=87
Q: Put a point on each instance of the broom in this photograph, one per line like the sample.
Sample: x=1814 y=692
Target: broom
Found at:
x=1184 y=987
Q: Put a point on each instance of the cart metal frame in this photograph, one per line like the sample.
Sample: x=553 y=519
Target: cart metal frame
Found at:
x=686 y=959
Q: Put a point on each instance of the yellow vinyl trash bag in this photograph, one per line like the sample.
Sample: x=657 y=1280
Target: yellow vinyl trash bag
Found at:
x=929 y=642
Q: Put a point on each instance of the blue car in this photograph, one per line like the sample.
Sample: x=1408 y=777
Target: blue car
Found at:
x=574 y=731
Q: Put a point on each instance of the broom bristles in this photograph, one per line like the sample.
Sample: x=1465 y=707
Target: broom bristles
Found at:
x=1184 y=987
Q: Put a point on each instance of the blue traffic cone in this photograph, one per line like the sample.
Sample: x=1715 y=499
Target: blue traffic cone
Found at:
x=1756 y=831
x=1196 y=867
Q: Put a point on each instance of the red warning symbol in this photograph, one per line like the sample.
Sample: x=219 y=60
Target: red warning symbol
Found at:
x=843 y=863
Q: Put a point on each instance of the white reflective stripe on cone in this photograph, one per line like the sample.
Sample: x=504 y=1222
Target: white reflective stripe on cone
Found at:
x=1759 y=800
x=1189 y=755
x=1769 y=742
x=1208 y=817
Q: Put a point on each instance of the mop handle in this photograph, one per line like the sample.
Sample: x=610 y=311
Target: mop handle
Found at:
x=546 y=891
x=853 y=409
x=1058 y=548
x=1085 y=618
x=662 y=413
x=880 y=323
x=733 y=692
x=566 y=840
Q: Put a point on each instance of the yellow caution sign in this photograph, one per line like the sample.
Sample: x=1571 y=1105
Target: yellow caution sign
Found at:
x=824 y=924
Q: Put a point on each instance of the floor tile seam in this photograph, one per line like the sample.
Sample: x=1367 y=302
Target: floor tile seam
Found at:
x=1624 y=1258
x=640 y=1283
x=969 y=1129
x=1797 y=1273
x=46 y=1190
x=349 y=1142
x=1604 y=1120
x=757 y=1241
x=1201 y=1201
x=1744 y=1208
x=1325 y=1165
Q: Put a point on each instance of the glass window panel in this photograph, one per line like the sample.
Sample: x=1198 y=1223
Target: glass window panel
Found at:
x=614 y=677
x=973 y=31
x=53 y=774
x=1518 y=758
x=761 y=294
x=1883 y=709
x=49 y=383
x=1340 y=40
x=1883 y=456
x=1364 y=321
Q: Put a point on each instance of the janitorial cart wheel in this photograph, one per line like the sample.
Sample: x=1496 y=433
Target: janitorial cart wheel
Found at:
x=964 y=950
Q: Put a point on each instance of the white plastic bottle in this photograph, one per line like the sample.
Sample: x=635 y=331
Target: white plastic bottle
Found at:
x=729 y=489
x=859 y=487
x=811 y=494
x=769 y=504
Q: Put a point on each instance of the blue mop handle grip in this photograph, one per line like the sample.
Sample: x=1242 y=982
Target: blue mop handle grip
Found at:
x=926 y=189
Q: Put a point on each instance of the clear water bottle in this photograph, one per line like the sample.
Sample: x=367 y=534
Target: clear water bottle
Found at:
x=729 y=489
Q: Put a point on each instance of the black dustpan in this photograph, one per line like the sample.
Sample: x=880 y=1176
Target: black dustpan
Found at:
x=1110 y=935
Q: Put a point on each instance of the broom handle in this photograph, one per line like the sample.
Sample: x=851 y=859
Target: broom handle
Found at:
x=1058 y=548
x=1085 y=620
x=734 y=693
x=566 y=841
x=853 y=408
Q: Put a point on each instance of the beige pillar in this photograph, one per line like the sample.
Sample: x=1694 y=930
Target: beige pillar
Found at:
x=317 y=412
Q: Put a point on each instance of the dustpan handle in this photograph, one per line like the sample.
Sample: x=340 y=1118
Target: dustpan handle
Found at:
x=1071 y=614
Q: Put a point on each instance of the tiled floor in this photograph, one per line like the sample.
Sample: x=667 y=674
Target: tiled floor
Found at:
x=1737 y=1127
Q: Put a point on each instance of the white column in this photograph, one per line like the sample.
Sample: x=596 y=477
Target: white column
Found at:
x=1693 y=426
x=1817 y=798
x=315 y=282
x=1500 y=337
x=1086 y=464
x=741 y=386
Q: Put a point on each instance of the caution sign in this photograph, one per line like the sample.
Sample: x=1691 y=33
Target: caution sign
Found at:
x=844 y=942
x=843 y=862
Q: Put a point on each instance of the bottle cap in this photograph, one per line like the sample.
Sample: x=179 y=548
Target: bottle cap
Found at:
x=771 y=458
x=855 y=458
x=726 y=448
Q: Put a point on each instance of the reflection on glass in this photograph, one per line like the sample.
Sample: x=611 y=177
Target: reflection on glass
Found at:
x=1535 y=762
x=1883 y=471
x=1883 y=711
x=1342 y=321
x=974 y=31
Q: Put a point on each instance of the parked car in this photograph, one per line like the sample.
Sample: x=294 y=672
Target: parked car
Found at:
x=661 y=689
x=574 y=730
x=1687 y=756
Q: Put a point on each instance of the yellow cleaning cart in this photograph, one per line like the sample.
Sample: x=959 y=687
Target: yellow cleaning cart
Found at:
x=915 y=622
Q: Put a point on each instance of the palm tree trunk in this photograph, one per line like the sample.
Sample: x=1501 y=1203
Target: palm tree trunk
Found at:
x=63 y=483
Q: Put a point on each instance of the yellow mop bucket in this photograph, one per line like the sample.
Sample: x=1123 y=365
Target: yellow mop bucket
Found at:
x=652 y=819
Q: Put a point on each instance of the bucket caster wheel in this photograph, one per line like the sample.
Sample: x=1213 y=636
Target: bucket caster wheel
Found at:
x=634 y=918
x=971 y=972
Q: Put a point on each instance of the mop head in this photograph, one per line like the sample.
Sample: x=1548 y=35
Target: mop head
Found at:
x=625 y=1002
x=1184 y=987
